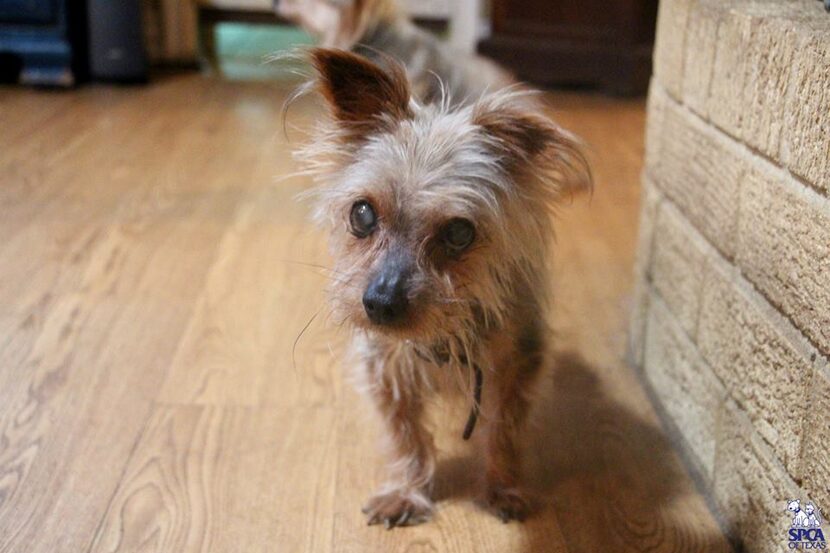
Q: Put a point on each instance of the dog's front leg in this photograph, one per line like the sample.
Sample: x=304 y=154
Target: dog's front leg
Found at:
x=507 y=403
x=404 y=500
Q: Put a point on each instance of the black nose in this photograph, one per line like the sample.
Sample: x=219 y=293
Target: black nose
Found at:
x=385 y=299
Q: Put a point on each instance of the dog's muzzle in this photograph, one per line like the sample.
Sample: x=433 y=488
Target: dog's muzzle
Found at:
x=386 y=300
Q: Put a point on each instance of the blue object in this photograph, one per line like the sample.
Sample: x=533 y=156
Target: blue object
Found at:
x=36 y=43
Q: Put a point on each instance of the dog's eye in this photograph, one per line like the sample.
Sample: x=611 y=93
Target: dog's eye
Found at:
x=363 y=219
x=458 y=234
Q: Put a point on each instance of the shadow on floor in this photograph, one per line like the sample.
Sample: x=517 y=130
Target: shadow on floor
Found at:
x=608 y=479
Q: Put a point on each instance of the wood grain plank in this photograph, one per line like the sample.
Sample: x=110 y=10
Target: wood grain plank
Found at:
x=56 y=209
x=240 y=346
x=39 y=113
x=79 y=393
x=63 y=239
x=204 y=478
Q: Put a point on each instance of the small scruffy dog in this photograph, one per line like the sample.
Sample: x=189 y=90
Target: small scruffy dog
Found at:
x=440 y=221
x=374 y=28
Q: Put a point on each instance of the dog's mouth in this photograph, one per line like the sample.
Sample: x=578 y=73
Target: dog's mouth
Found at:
x=425 y=331
x=405 y=328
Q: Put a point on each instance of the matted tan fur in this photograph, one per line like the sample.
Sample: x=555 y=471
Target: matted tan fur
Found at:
x=440 y=225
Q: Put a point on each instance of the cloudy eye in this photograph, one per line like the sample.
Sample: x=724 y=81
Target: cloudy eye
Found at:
x=363 y=219
x=458 y=234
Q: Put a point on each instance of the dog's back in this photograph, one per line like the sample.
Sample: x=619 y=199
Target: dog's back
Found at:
x=379 y=28
x=432 y=67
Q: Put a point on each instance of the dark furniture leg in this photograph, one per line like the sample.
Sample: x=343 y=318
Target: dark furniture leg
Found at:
x=207 y=43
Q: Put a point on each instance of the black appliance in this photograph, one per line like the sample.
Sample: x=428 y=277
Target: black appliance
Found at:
x=116 y=40
x=62 y=42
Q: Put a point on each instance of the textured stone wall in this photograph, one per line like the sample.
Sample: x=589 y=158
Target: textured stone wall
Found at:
x=731 y=326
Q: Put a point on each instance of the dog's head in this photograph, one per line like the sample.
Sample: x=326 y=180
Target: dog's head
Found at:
x=439 y=216
x=336 y=23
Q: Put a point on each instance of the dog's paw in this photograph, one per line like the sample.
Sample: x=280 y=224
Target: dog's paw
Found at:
x=507 y=503
x=398 y=508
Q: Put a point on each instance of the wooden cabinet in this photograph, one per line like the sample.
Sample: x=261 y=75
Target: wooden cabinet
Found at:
x=603 y=43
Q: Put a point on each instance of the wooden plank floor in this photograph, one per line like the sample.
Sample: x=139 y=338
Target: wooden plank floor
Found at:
x=153 y=278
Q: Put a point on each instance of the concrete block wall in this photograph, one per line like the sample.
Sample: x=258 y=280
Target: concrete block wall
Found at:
x=731 y=324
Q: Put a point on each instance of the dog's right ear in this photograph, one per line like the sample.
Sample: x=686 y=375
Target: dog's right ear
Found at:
x=364 y=97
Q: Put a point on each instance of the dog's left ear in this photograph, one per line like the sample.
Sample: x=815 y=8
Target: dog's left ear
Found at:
x=528 y=141
x=364 y=97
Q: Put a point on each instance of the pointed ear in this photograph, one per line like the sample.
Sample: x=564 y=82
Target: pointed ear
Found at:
x=363 y=96
x=529 y=142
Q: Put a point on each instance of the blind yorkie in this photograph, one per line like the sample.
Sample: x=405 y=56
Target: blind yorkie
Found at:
x=439 y=216
x=436 y=195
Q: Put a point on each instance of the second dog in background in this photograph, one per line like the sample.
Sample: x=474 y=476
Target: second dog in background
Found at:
x=374 y=28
